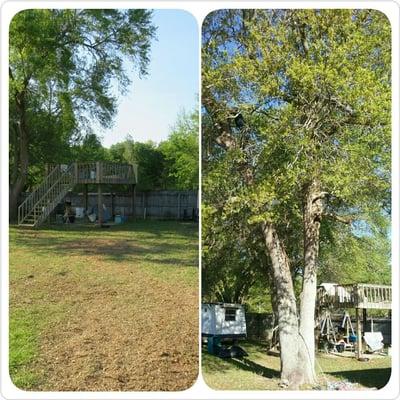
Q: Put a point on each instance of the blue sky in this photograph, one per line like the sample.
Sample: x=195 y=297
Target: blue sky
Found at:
x=151 y=106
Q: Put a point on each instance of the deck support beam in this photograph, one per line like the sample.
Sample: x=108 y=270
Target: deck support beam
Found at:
x=359 y=335
x=112 y=205
x=100 y=203
x=133 y=194
x=364 y=318
x=86 y=197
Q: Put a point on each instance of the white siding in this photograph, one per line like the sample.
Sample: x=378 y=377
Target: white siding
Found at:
x=214 y=321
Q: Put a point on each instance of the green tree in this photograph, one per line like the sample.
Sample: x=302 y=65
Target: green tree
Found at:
x=149 y=159
x=351 y=255
x=62 y=66
x=181 y=152
x=89 y=150
x=297 y=104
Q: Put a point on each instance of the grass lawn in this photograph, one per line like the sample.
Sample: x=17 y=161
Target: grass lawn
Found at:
x=260 y=371
x=104 y=309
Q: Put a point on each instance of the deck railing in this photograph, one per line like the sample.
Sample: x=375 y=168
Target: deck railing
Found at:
x=105 y=172
x=116 y=173
x=355 y=296
x=373 y=296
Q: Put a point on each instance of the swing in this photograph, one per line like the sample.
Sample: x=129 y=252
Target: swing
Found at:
x=350 y=339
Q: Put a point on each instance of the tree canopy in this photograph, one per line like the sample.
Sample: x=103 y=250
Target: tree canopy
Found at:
x=181 y=152
x=171 y=164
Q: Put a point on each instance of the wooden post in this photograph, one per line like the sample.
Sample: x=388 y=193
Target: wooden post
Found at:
x=112 y=204
x=364 y=319
x=86 y=197
x=100 y=203
x=133 y=195
x=179 y=205
x=75 y=172
x=359 y=338
x=98 y=172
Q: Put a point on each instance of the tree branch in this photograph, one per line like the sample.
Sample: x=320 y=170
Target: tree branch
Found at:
x=344 y=219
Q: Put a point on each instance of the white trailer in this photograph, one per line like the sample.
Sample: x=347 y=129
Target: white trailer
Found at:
x=223 y=320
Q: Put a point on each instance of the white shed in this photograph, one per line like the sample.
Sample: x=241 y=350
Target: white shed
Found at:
x=224 y=320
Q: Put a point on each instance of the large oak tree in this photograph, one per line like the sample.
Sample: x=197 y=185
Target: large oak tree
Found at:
x=296 y=133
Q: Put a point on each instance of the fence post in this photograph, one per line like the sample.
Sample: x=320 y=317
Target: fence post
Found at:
x=179 y=205
x=75 y=172
x=98 y=171
x=86 y=197
x=144 y=205
x=133 y=200
x=100 y=204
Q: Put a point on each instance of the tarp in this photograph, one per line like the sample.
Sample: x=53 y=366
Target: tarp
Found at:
x=374 y=340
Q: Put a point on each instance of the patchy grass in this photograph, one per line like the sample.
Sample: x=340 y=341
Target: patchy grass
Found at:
x=24 y=347
x=260 y=371
x=104 y=309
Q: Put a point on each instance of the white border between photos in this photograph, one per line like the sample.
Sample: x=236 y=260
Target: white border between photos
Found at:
x=199 y=9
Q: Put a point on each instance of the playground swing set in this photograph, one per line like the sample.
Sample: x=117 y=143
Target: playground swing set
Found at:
x=362 y=297
x=339 y=338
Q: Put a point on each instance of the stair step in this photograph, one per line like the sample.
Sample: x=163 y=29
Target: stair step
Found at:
x=50 y=196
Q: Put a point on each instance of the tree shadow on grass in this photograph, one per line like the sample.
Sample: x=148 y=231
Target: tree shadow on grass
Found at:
x=156 y=228
x=250 y=366
x=87 y=240
x=371 y=378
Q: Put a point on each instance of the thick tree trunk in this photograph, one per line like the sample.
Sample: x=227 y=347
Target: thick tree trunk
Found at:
x=292 y=365
x=312 y=217
x=17 y=186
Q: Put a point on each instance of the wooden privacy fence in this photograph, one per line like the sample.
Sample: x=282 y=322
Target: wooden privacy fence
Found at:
x=259 y=326
x=162 y=204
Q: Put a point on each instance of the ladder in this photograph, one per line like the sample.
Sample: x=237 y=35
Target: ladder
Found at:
x=43 y=200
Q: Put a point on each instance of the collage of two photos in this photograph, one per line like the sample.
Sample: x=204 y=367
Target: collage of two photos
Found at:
x=200 y=200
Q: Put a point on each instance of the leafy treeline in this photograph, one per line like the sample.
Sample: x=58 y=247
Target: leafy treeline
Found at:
x=296 y=172
x=171 y=164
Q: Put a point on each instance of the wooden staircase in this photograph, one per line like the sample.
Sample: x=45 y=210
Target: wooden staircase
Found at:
x=43 y=200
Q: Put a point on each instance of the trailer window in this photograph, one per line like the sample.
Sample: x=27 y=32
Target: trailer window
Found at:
x=230 y=314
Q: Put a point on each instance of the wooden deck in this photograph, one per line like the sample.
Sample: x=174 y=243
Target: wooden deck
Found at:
x=103 y=173
x=366 y=296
